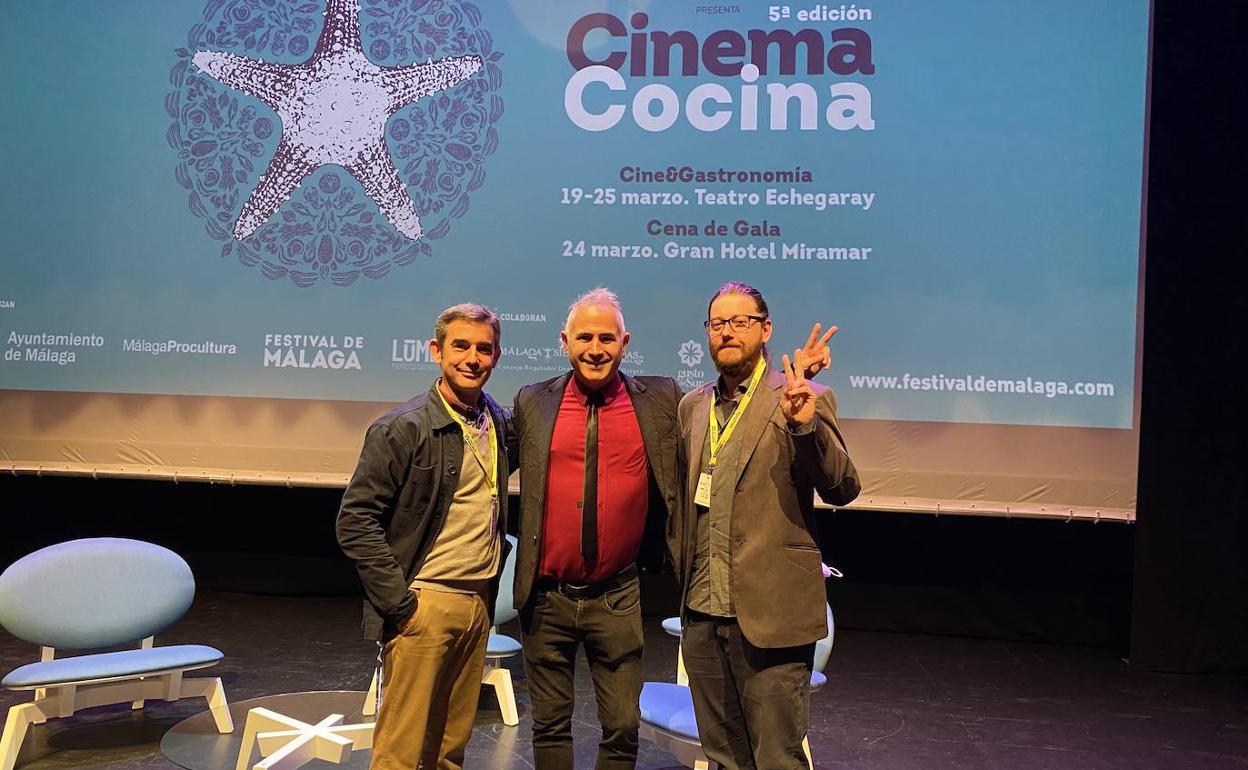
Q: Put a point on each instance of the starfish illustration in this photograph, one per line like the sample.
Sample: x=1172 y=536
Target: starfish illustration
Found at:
x=334 y=109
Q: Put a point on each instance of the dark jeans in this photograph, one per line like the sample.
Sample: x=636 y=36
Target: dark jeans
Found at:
x=752 y=704
x=609 y=627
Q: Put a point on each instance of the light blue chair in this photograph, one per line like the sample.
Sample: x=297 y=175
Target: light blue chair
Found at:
x=94 y=594
x=498 y=648
x=667 y=717
x=823 y=651
x=502 y=646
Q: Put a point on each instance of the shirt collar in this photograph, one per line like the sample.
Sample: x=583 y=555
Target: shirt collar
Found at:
x=741 y=390
x=609 y=392
x=473 y=418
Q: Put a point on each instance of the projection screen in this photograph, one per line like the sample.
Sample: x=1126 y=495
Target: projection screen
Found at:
x=230 y=224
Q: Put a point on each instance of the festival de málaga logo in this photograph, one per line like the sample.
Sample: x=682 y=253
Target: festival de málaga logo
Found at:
x=386 y=111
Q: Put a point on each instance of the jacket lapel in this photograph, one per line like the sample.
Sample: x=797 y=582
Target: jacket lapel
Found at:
x=542 y=419
x=756 y=417
x=643 y=407
x=697 y=437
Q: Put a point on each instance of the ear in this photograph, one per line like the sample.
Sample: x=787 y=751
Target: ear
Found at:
x=435 y=350
x=563 y=340
x=624 y=343
x=766 y=330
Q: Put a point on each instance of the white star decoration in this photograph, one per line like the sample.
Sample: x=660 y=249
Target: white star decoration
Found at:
x=287 y=743
x=334 y=109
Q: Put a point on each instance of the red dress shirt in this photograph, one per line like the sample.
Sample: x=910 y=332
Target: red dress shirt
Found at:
x=623 y=487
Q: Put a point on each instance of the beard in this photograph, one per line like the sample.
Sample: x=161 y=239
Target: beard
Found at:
x=737 y=369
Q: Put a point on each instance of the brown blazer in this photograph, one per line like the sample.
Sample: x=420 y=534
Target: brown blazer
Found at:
x=777 y=582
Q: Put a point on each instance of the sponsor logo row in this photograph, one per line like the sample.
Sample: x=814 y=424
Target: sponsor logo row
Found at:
x=315 y=351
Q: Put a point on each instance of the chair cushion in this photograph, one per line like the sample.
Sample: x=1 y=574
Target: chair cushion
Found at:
x=672 y=626
x=108 y=665
x=500 y=646
x=817 y=680
x=93 y=593
x=670 y=707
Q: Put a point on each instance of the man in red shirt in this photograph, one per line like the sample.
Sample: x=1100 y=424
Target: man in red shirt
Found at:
x=597 y=459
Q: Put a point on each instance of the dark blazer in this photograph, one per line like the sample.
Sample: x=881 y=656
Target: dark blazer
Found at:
x=536 y=406
x=397 y=500
x=777 y=582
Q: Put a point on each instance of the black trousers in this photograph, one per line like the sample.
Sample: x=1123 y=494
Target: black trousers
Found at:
x=608 y=626
x=752 y=703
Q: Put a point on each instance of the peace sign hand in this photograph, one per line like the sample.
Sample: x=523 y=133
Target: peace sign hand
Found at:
x=818 y=355
x=797 y=403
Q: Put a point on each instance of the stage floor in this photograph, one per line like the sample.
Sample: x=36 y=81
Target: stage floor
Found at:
x=892 y=700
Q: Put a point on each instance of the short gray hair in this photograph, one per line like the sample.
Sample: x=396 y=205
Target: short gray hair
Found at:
x=467 y=311
x=600 y=295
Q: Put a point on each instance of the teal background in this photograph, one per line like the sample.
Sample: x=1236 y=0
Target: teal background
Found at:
x=1007 y=162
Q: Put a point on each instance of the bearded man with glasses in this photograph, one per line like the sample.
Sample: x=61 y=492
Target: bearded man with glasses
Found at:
x=757 y=444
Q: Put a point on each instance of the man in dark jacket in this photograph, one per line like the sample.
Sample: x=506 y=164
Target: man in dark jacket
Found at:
x=598 y=458
x=423 y=520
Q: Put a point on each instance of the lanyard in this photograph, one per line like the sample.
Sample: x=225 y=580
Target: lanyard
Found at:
x=717 y=442
x=490 y=468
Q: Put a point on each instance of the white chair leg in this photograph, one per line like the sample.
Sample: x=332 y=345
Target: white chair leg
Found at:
x=45 y=654
x=806 y=748
x=171 y=683
x=370 y=700
x=250 y=728
x=260 y=720
x=499 y=678
x=682 y=676
x=146 y=644
x=20 y=718
x=211 y=689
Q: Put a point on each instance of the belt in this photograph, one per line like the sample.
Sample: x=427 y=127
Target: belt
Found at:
x=577 y=590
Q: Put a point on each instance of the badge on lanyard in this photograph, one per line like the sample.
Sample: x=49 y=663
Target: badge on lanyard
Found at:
x=703 y=496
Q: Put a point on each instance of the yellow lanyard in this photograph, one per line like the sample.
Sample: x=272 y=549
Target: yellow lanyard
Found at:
x=490 y=468
x=717 y=442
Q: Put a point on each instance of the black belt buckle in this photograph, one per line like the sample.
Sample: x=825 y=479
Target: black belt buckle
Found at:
x=594 y=590
x=581 y=590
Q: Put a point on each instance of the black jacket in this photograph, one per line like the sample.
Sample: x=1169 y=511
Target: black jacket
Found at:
x=397 y=500
x=654 y=401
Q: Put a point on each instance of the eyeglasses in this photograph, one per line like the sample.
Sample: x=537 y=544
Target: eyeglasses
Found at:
x=739 y=323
